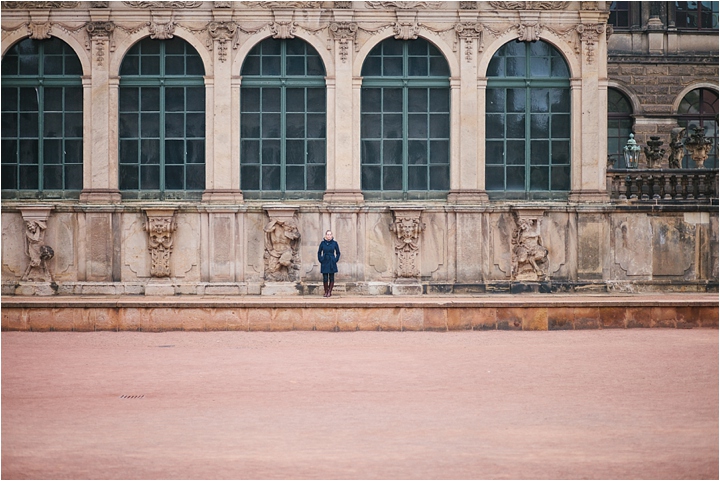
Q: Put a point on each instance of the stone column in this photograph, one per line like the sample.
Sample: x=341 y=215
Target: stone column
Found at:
x=100 y=170
x=343 y=169
x=222 y=167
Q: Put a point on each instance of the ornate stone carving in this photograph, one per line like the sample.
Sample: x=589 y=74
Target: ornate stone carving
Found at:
x=160 y=227
x=699 y=146
x=468 y=5
x=407 y=228
x=468 y=32
x=99 y=4
x=222 y=4
x=222 y=32
x=163 y=4
x=653 y=152
x=161 y=31
x=589 y=5
x=529 y=5
x=38 y=5
x=286 y=5
x=529 y=32
x=589 y=34
x=529 y=256
x=342 y=4
x=39 y=31
x=402 y=5
x=282 y=258
x=677 y=149
x=99 y=33
x=406 y=30
x=344 y=33
x=283 y=30
x=36 y=250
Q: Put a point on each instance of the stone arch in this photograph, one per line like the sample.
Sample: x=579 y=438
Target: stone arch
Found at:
x=433 y=38
x=123 y=47
x=629 y=94
x=319 y=46
x=78 y=47
x=571 y=58
x=690 y=88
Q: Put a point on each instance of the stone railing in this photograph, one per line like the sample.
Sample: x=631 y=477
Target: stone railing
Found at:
x=663 y=185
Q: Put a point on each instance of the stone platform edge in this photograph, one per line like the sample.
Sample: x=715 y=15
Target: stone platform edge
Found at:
x=346 y=313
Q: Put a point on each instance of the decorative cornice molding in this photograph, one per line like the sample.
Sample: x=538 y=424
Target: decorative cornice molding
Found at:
x=403 y=5
x=284 y=5
x=468 y=5
x=529 y=32
x=38 y=5
x=529 y=5
x=146 y=4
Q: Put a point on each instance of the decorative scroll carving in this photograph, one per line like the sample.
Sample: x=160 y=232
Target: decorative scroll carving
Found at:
x=161 y=31
x=406 y=30
x=589 y=5
x=342 y=4
x=468 y=5
x=344 y=33
x=39 y=31
x=589 y=34
x=99 y=33
x=222 y=4
x=468 y=32
x=283 y=30
x=529 y=256
x=403 y=5
x=163 y=4
x=653 y=152
x=677 y=149
x=282 y=258
x=529 y=5
x=284 y=5
x=222 y=32
x=99 y=4
x=160 y=227
x=407 y=227
x=37 y=251
x=529 y=32
x=38 y=5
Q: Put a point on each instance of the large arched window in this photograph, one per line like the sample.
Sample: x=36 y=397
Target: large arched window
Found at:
x=527 y=128
x=283 y=120
x=162 y=120
x=699 y=108
x=42 y=120
x=620 y=123
x=405 y=124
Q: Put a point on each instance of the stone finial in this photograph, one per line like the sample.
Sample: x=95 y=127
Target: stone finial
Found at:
x=160 y=227
x=699 y=146
x=407 y=227
x=677 y=149
x=653 y=153
x=282 y=242
x=529 y=256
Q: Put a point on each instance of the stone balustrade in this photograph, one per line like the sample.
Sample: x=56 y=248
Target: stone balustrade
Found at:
x=663 y=185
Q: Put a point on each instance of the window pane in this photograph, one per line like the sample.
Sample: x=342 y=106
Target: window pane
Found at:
x=392 y=152
x=392 y=178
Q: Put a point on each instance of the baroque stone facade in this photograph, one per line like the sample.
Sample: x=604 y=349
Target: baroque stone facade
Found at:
x=465 y=239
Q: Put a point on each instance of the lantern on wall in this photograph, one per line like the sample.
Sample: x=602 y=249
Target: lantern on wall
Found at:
x=632 y=153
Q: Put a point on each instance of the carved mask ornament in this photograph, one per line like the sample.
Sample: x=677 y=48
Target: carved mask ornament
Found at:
x=407 y=228
x=160 y=229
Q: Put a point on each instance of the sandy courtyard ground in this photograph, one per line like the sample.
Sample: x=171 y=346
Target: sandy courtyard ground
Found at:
x=639 y=403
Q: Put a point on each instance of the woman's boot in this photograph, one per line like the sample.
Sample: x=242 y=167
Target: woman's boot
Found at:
x=330 y=288
x=325 y=287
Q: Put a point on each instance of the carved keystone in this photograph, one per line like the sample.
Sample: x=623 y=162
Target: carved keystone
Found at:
x=160 y=227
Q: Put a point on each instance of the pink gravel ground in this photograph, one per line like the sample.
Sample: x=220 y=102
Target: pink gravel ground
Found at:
x=606 y=404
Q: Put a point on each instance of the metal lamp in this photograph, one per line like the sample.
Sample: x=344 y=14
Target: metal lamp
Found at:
x=632 y=153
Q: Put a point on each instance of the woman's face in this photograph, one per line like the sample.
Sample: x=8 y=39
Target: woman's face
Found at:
x=328 y=235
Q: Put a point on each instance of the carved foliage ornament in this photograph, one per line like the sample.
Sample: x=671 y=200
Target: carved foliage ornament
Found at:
x=406 y=30
x=283 y=30
x=280 y=5
x=38 y=5
x=39 y=31
x=160 y=229
x=402 y=5
x=222 y=32
x=529 y=32
x=143 y=4
x=99 y=33
x=407 y=228
x=589 y=34
x=529 y=5
x=468 y=32
x=344 y=33
x=161 y=31
x=529 y=256
x=282 y=258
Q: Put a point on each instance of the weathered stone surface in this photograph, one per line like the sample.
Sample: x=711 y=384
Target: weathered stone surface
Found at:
x=632 y=244
x=612 y=317
x=13 y=319
x=638 y=317
x=412 y=319
x=436 y=319
x=320 y=319
x=535 y=319
x=673 y=246
x=460 y=319
x=510 y=318
x=560 y=318
x=586 y=317
x=347 y=319
x=484 y=319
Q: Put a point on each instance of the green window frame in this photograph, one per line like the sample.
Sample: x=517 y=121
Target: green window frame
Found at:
x=699 y=108
x=161 y=121
x=620 y=123
x=527 y=122
x=283 y=115
x=405 y=121
x=42 y=120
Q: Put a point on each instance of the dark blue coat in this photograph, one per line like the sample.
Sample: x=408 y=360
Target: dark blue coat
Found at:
x=327 y=258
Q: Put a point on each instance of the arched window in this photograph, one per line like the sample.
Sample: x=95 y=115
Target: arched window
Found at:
x=620 y=123
x=527 y=128
x=699 y=108
x=162 y=120
x=42 y=120
x=283 y=120
x=405 y=124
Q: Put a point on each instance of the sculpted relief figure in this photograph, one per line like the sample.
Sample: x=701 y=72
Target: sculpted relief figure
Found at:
x=37 y=251
x=160 y=244
x=529 y=256
x=282 y=260
x=407 y=235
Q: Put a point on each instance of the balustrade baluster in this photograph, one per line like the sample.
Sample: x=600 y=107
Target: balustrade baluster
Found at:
x=701 y=186
x=645 y=189
x=667 y=188
x=623 y=187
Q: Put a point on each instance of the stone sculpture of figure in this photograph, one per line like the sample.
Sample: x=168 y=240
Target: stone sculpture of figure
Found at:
x=677 y=149
x=281 y=251
x=529 y=256
x=36 y=249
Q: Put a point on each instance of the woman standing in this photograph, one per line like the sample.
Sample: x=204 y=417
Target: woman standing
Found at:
x=328 y=261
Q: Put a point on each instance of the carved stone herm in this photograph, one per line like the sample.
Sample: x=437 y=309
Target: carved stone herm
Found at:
x=699 y=146
x=529 y=256
x=407 y=228
x=282 y=259
x=37 y=252
x=653 y=153
x=677 y=149
x=160 y=227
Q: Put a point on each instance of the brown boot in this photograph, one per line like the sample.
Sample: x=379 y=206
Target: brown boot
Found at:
x=325 y=287
x=330 y=288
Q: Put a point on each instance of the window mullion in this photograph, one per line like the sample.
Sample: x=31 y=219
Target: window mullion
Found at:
x=283 y=138
x=405 y=133
x=162 y=135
